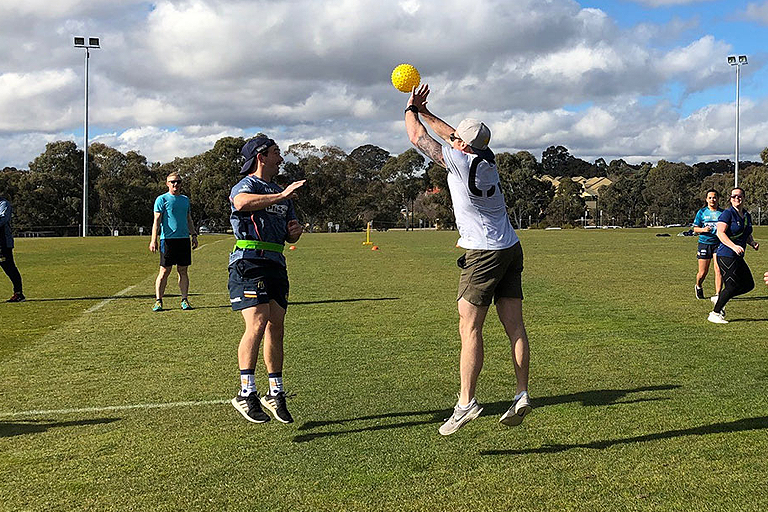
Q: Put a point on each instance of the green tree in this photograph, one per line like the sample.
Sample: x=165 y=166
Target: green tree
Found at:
x=567 y=206
x=402 y=175
x=755 y=185
x=524 y=193
x=623 y=199
x=671 y=191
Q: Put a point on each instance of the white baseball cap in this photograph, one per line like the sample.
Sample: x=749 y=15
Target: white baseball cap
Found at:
x=474 y=133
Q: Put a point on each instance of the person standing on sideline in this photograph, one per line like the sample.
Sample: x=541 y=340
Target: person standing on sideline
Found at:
x=263 y=218
x=493 y=262
x=174 y=222
x=705 y=225
x=734 y=229
x=6 y=251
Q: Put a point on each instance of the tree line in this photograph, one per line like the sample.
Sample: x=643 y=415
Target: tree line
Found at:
x=368 y=184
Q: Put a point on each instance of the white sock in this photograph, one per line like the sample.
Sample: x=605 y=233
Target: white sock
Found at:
x=470 y=404
x=520 y=395
x=247 y=384
x=275 y=383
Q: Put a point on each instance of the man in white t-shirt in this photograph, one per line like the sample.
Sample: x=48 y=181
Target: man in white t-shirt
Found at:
x=493 y=262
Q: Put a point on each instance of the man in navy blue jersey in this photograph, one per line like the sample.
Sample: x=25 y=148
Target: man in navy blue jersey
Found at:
x=263 y=219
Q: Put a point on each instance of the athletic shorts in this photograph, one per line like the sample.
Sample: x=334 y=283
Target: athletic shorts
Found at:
x=254 y=282
x=175 y=251
x=705 y=251
x=488 y=275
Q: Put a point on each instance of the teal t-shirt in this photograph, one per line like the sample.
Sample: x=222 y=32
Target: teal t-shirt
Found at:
x=173 y=223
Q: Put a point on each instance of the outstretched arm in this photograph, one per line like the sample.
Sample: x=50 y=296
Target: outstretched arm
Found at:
x=440 y=127
x=417 y=133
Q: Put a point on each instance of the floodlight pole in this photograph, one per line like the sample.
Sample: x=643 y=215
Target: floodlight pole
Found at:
x=85 y=149
x=93 y=42
x=737 y=62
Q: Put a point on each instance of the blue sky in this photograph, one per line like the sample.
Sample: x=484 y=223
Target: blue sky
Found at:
x=640 y=80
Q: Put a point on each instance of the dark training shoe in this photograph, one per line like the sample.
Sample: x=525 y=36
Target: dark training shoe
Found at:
x=276 y=405
x=249 y=407
x=699 y=292
x=17 y=297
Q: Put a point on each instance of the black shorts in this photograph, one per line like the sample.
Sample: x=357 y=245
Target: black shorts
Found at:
x=254 y=282
x=705 y=251
x=490 y=275
x=175 y=251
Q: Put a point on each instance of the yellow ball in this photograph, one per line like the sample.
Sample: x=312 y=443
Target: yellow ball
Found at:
x=405 y=77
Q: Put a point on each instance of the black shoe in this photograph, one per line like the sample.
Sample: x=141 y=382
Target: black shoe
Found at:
x=249 y=407
x=699 y=293
x=276 y=405
x=17 y=297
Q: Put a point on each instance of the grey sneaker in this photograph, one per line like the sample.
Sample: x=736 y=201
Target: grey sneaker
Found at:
x=249 y=407
x=276 y=405
x=517 y=411
x=460 y=417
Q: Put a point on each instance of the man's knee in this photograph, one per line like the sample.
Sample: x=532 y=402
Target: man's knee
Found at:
x=182 y=270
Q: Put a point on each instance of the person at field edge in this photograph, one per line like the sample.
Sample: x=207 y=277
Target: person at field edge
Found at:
x=263 y=218
x=734 y=229
x=174 y=222
x=492 y=265
x=705 y=225
x=6 y=251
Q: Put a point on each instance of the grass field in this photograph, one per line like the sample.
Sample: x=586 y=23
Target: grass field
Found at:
x=639 y=402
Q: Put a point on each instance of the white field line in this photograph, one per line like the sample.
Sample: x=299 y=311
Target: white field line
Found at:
x=107 y=301
x=125 y=291
x=42 y=412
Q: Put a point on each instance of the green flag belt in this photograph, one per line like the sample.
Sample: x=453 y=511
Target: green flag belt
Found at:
x=258 y=245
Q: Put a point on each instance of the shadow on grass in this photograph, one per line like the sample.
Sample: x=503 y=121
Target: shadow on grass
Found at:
x=19 y=428
x=595 y=398
x=731 y=320
x=746 y=424
x=309 y=303
x=750 y=298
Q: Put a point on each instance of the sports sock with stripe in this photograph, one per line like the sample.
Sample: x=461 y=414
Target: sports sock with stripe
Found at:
x=247 y=382
x=275 y=383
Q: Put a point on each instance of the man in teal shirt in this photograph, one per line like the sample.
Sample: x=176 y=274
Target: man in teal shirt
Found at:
x=174 y=223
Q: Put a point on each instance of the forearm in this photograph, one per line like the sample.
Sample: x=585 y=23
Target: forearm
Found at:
x=245 y=202
x=292 y=239
x=440 y=127
x=155 y=226
x=419 y=137
x=191 y=226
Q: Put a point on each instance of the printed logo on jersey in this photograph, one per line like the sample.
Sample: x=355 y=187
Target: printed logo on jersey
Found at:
x=277 y=209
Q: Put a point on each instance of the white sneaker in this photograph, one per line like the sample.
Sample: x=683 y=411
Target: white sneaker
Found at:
x=714 y=301
x=460 y=417
x=517 y=411
x=717 y=318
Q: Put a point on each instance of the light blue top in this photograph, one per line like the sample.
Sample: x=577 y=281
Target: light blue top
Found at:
x=175 y=209
x=708 y=218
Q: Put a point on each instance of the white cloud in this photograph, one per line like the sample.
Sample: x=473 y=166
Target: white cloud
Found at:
x=757 y=12
x=175 y=74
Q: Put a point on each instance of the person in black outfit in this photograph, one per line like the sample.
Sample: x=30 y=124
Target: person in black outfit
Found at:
x=734 y=229
x=6 y=251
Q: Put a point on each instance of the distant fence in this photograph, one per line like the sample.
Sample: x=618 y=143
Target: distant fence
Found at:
x=76 y=230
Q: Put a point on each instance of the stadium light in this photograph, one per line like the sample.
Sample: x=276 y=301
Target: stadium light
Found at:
x=93 y=43
x=738 y=62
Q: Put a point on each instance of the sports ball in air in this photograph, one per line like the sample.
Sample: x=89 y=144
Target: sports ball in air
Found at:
x=405 y=77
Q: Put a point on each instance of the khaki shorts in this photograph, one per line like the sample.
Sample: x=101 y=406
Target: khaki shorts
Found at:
x=489 y=275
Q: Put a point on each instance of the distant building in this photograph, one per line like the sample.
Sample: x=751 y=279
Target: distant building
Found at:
x=590 y=192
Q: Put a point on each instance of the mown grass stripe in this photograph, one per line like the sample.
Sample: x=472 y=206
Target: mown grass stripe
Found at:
x=43 y=412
